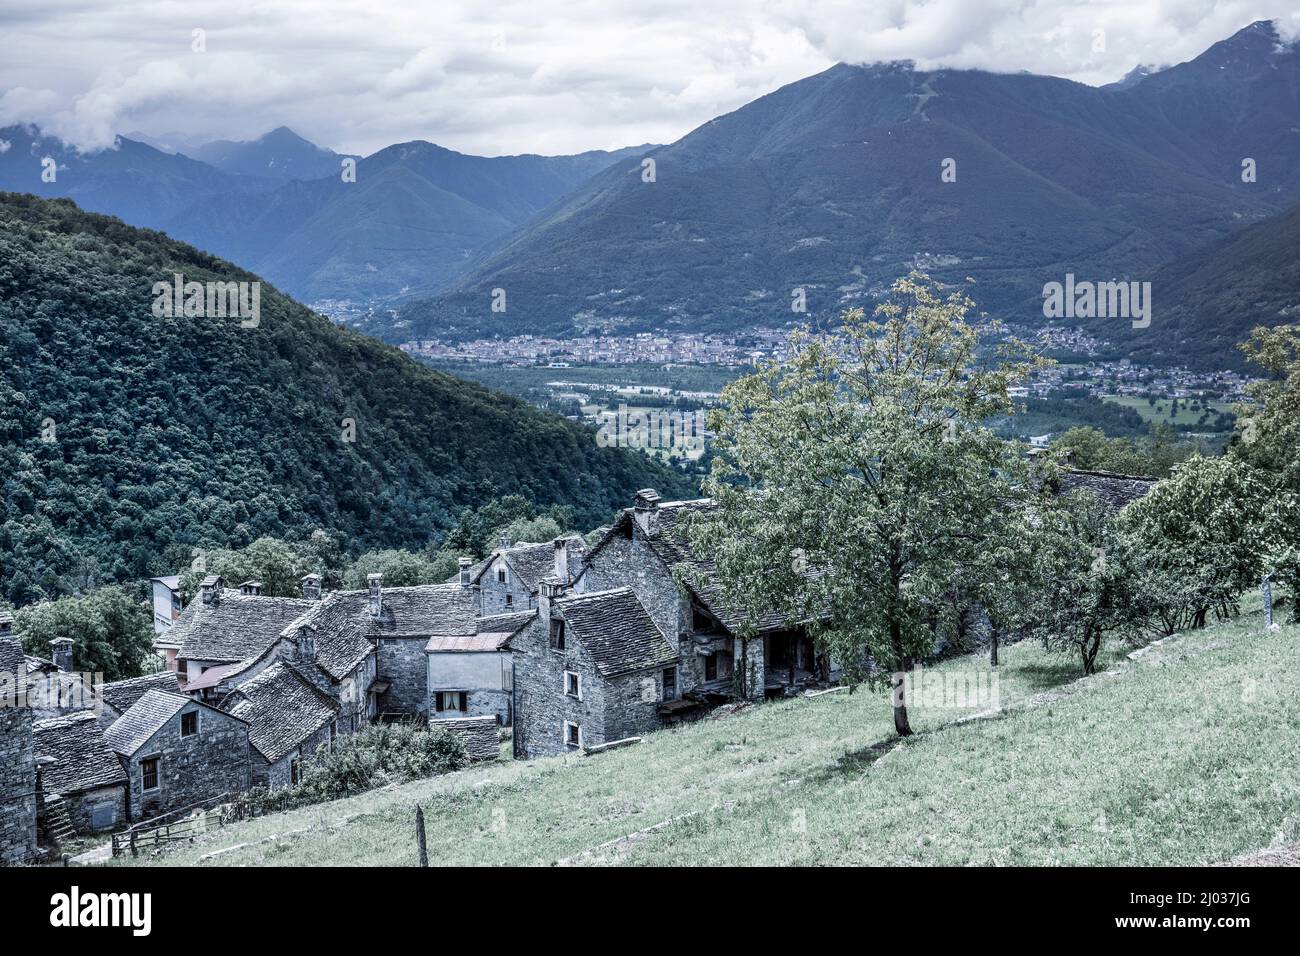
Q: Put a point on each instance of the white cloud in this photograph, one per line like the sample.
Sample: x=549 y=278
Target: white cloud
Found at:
x=532 y=75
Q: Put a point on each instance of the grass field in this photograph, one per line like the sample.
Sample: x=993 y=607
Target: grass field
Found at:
x=1186 y=755
x=1188 y=417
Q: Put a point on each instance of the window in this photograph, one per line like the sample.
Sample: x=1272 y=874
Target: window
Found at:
x=295 y=771
x=557 y=634
x=149 y=773
x=446 y=700
x=189 y=723
x=670 y=683
x=501 y=575
x=711 y=667
x=572 y=735
x=510 y=600
x=572 y=685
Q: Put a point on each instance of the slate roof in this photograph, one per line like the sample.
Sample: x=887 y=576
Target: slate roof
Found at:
x=532 y=562
x=145 y=718
x=1114 y=490
x=122 y=694
x=339 y=623
x=672 y=546
x=83 y=758
x=616 y=631
x=494 y=631
x=421 y=611
x=283 y=709
x=236 y=627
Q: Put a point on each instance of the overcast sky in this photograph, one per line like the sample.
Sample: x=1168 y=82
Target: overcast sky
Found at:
x=543 y=76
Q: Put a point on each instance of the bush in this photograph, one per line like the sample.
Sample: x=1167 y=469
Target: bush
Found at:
x=372 y=757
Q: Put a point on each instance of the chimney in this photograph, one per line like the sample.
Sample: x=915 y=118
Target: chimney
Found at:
x=548 y=591
x=311 y=587
x=211 y=589
x=251 y=588
x=464 y=572
x=561 y=561
x=6 y=624
x=306 y=644
x=506 y=542
x=645 y=509
x=375 y=584
x=61 y=653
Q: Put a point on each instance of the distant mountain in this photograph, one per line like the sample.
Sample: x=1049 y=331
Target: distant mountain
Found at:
x=279 y=156
x=124 y=434
x=833 y=185
x=133 y=181
x=412 y=219
x=1208 y=301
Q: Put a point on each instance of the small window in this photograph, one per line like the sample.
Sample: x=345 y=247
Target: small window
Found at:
x=189 y=723
x=501 y=575
x=557 y=634
x=572 y=685
x=572 y=735
x=452 y=700
x=670 y=683
x=149 y=773
x=711 y=667
x=510 y=600
x=295 y=771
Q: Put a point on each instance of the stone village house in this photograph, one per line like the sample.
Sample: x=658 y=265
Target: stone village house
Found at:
x=289 y=720
x=17 y=760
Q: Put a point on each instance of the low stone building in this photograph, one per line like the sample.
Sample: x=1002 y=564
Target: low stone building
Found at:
x=472 y=675
x=1114 y=490
x=79 y=768
x=177 y=751
x=589 y=669
x=17 y=760
x=289 y=720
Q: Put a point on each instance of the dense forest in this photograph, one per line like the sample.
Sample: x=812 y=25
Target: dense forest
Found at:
x=126 y=440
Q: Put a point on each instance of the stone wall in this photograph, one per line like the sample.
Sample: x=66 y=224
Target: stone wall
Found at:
x=403 y=663
x=477 y=734
x=17 y=785
x=632 y=705
x=190 y=769
x=279 y=775
x=492 y=593
x=100 y=809
x=541 y=706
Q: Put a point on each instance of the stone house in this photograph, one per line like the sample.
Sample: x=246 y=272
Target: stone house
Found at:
x=510 y=578
x=590 y=668
x=1114 y=490
x=224 y=626
x=80 y=768
x=119 y=696
x=647 y=549
x=176 y=752
x=472 y=675
x=289 y=720
x=17 y=760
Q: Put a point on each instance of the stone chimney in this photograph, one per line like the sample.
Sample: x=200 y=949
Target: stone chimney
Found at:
x=548 y=591
x=210 y=589
x=311 y=587
x=465 y=572
x=251 y=588
x=375 y=585
x=506 y=542
x=645 y=509
x=6 y=624
x=61 y=653
x=561 y=560
x=307 y=644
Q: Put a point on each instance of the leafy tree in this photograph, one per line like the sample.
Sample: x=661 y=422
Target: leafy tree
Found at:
x=866 y=459
x=479 y=530
x=1084 y=585
x=111 y=632
x=279 y=565
x=399 y=568
x=1203 y=533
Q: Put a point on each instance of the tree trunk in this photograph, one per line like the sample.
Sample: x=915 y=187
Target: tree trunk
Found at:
x=993 y=648
x=901 y=725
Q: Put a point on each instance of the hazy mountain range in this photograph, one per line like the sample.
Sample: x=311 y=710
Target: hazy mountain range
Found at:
x=833 y=184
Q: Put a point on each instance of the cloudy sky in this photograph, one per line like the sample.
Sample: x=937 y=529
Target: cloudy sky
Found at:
x=545 y=76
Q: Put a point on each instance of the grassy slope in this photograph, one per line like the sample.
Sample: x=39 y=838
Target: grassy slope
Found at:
x=1185 y=756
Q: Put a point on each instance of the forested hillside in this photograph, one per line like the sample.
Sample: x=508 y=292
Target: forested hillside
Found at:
x=126 y=439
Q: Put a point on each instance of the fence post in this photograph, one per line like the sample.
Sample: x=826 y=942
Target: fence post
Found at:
x=1267 y=587
x=420 y=845
x=133 y=849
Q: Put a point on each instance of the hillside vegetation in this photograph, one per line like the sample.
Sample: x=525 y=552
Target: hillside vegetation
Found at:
x=1185 y=755
x=126 y=439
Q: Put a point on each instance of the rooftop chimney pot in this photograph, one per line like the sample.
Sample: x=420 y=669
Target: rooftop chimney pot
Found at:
x=61 y=653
